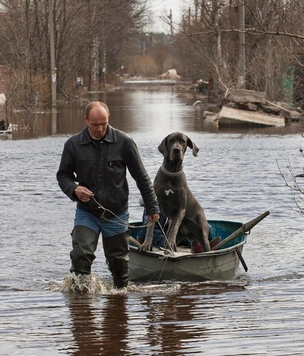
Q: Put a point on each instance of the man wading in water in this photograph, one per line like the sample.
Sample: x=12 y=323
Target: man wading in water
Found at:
x=92 y=172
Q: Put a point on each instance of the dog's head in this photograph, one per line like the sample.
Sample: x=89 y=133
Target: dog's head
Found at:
x=174 y=146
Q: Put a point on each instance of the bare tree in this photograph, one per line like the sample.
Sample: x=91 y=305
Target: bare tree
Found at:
x=24 y=48
x=91 y=41
x=293 y=182
x=274 y=43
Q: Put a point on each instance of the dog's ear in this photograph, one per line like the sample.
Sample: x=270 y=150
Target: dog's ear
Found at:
x=193 y=146
x=163 y=148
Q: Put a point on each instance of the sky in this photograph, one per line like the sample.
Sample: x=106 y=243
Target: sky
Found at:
x=159 y=8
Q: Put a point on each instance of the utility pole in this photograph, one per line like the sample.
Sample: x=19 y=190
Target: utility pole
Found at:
x=104 y=47
x=242 y=53
x=171 y=27
x=52 y=49
x=104 y=68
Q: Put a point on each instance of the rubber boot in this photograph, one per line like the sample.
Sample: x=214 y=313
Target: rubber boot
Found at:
x=84 y=242
x=116 y=250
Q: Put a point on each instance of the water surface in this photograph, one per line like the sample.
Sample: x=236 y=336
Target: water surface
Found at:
x=234 y=177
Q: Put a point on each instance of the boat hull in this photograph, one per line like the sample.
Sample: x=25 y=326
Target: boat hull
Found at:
x=217 y=265
x=161 y=265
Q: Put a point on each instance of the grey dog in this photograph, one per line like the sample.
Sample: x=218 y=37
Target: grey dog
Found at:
x=187 y=217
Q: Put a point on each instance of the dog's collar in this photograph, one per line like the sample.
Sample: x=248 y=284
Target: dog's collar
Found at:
x=171 y=174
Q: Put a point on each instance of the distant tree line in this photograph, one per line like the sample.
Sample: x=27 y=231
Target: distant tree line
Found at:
x=95 y=42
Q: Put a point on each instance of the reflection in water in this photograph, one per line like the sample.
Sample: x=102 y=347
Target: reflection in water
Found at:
x=112 y=325
x=235 y=177
x=170 y=323
x=153 y=112
x=135 y=324
x=99 y=327
x=54 y=122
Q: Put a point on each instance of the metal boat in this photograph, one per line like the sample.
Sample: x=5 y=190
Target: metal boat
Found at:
x=221 y=263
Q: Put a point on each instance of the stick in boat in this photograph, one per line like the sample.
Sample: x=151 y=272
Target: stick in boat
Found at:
x=244 y=228
x=242 y=260
x=134 y=241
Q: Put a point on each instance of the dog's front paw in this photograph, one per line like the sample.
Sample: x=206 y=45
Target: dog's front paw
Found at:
x=146 y=246
x=171 y=246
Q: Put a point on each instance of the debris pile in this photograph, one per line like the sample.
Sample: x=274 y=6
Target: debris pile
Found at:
x=252 y=107
x=170 y=74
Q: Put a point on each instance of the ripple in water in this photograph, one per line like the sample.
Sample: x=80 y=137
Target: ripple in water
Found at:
x=92 y=284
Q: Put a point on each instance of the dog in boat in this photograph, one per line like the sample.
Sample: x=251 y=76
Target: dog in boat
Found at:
x=187 y=217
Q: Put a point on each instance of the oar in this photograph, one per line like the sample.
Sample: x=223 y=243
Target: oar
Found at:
x=244 y=228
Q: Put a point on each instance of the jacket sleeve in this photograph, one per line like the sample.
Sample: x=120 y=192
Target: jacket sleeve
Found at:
x=65 y=174
x=142 y=179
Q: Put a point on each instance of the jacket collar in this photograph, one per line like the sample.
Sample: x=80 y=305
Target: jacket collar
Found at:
x=110 y=135
x=85 y=137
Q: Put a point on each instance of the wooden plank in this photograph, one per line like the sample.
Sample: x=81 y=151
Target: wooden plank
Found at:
x=230 y=115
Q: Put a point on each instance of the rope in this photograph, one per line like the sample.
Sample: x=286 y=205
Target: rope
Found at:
x=122 y=223
x=167 y=252
x=165 y=235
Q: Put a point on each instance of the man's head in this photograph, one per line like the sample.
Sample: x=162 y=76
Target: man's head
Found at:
x=97 y=118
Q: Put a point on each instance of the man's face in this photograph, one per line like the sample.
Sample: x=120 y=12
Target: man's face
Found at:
x=97 y=122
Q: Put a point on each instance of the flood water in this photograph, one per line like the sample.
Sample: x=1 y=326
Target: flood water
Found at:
x=235 y=177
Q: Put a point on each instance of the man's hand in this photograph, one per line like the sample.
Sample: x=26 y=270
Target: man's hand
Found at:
x=153 y=218
x=83 y=194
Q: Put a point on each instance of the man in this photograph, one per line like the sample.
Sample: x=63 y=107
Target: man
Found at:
x=92 y=172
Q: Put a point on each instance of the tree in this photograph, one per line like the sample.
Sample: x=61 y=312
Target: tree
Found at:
x=274 y=43
x=292 y=182
x=91 y=41
x=23 y=48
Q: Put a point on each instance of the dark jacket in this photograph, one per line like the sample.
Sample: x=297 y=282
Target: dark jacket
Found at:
x=103 y=170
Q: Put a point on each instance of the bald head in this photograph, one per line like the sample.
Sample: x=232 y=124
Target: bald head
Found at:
x=97 y=118
x=95 y=104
